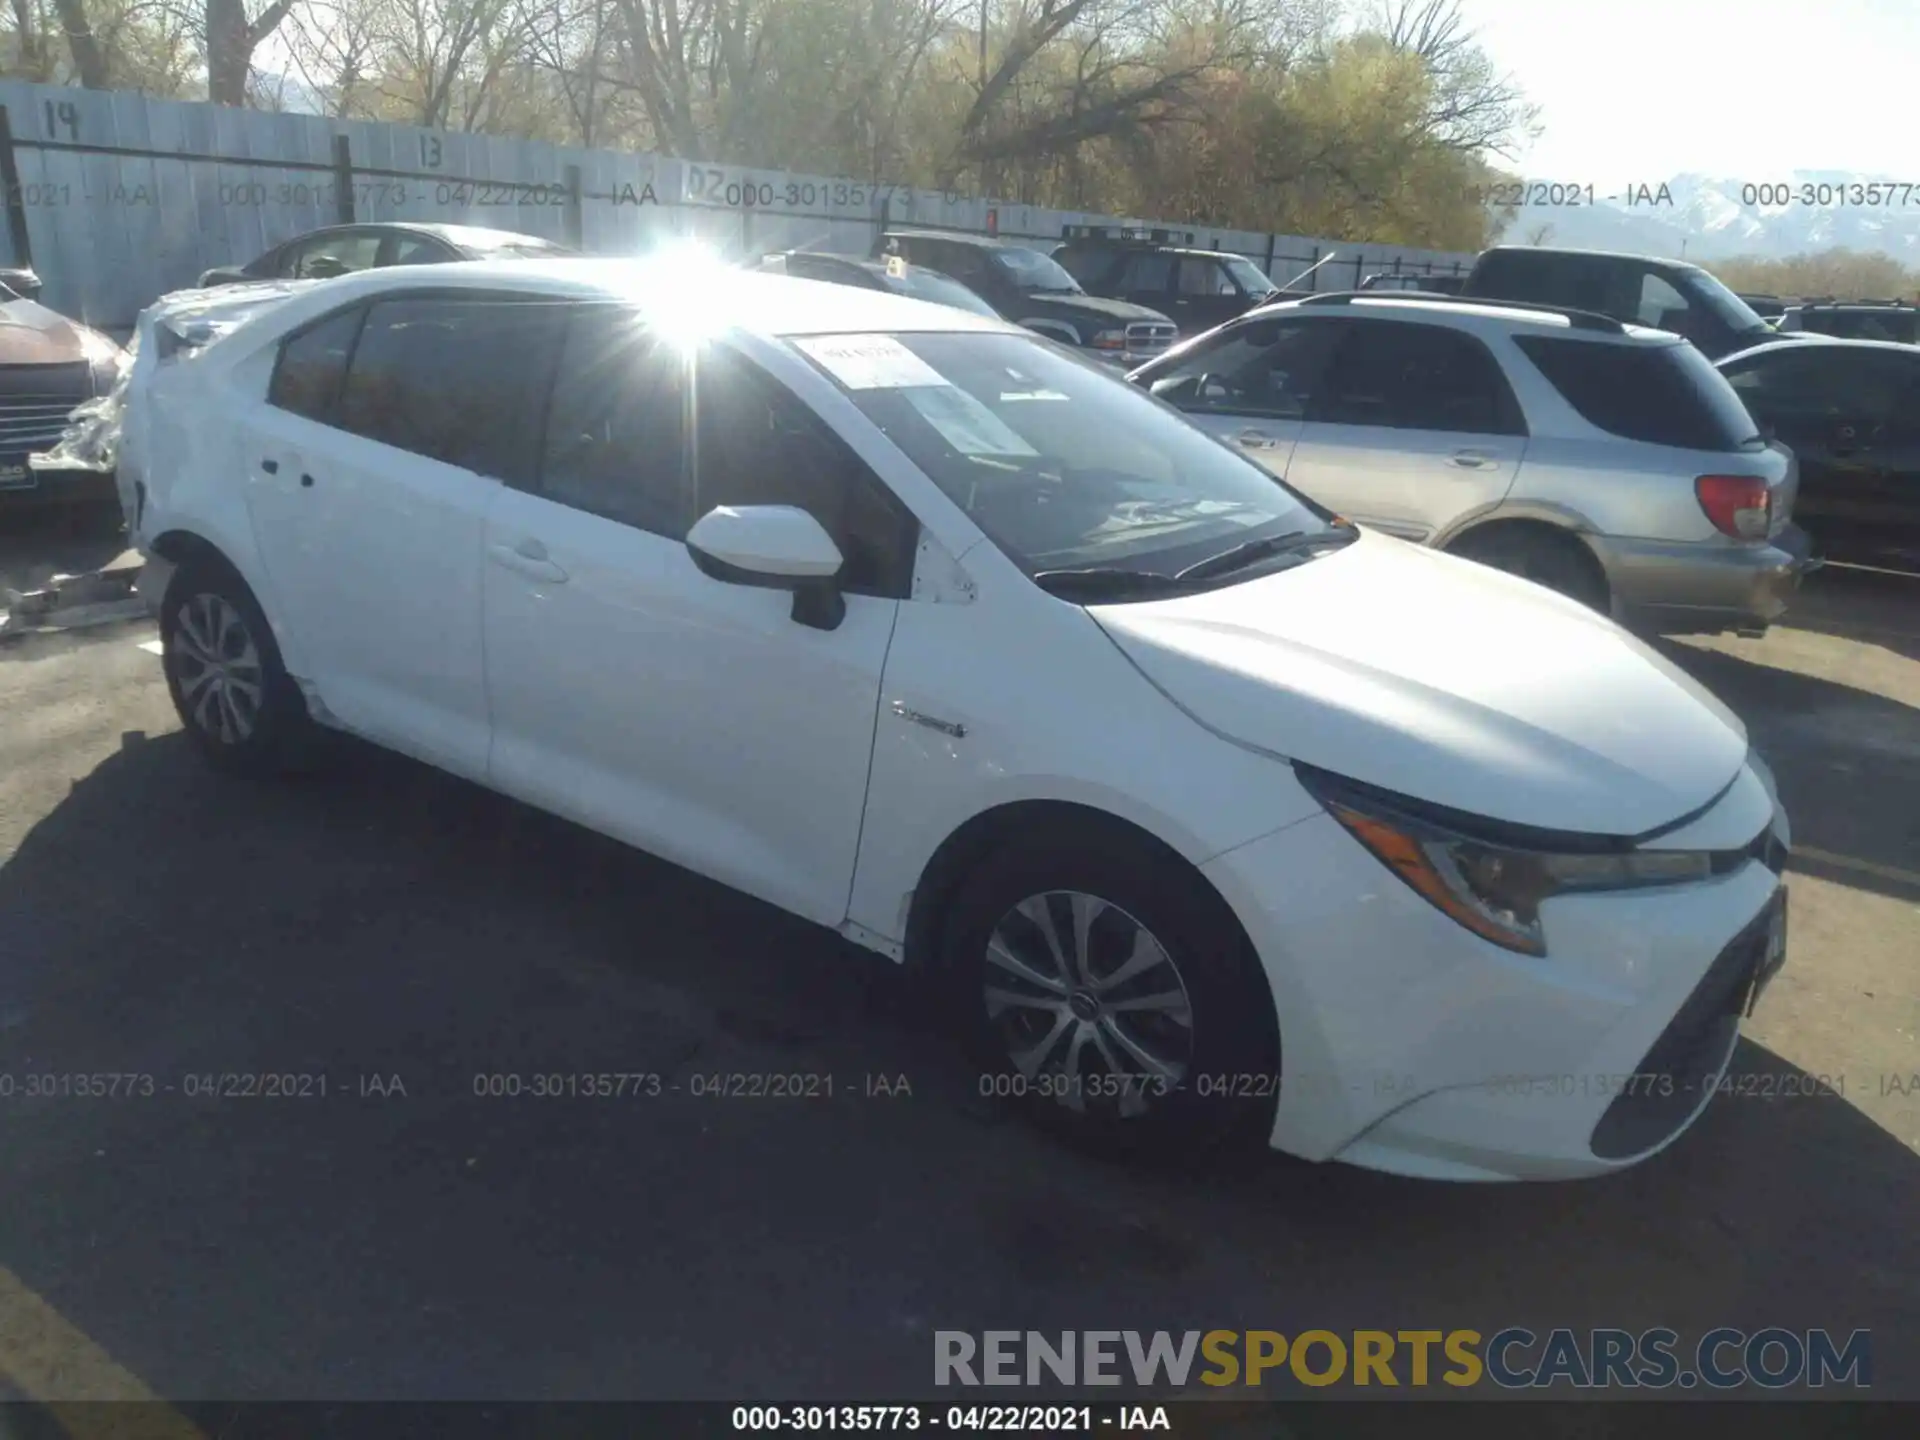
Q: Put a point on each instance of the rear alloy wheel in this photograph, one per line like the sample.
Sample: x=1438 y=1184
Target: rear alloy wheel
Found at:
x=1107 y=991
x=222 y=682
x=1559 y=562
x=233 y=695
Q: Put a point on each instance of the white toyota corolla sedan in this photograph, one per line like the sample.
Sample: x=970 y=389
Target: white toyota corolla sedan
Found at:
x=1209 y=813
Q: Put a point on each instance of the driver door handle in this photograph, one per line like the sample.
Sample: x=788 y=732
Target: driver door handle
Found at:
x=1257 y=440
x=1470 y=460
x=528 y=558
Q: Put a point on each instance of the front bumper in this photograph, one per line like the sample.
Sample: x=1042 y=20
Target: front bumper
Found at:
x=24 y=486
x=1410 y=1045
x=1681 y=588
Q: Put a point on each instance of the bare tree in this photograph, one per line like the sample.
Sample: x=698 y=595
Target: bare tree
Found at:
x=1474 y=108
x=232 y=37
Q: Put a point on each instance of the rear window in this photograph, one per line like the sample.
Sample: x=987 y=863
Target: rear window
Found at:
x=1661 y=394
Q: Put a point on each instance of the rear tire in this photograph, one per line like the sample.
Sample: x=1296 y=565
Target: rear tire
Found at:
x=1142 y=1027
x=1546 y=557
x=234 y=697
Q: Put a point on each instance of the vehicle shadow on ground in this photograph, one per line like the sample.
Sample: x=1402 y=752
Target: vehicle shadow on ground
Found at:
x=382 y=918
x=1847 y=762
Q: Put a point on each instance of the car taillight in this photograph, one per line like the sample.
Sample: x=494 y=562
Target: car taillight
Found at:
x=1738 y=505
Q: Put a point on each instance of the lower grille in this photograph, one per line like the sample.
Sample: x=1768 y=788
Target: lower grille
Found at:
x=35 y=401
x=1685 y=1062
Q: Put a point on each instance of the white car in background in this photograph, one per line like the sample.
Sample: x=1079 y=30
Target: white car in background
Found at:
x=1210 y=812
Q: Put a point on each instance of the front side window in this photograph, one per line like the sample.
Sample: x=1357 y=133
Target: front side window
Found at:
x=1062 y=466
x=312 y=365
x=454 y=378
x=331 y=255
x=1269 y=368
x=1662 y=306
x=1250 y=278
x=1149 y=273
x=757 y=444
x=1204 y=277
x=1416 y=377
x=616 y=432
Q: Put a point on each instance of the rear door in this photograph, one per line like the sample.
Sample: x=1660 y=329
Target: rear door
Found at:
x=1251 y=385
x=1413 y=427
x=370 y=520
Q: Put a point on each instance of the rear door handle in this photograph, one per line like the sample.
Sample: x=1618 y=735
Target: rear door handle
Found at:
x=1257 y=440
x=1470 y=460
x=529 y=558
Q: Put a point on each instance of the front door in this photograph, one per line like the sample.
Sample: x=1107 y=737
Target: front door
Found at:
x=1412 y=429
x=630 y=691
x=1251 y=385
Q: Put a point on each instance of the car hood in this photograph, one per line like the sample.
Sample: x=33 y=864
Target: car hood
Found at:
x=31 y=334
x=1068 y=307
x=1445 y=681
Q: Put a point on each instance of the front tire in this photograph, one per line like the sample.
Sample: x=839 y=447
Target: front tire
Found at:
x=1108 y=992
x=234 y=697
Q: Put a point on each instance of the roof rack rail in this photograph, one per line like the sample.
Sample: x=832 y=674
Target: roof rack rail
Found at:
x=1576 y=319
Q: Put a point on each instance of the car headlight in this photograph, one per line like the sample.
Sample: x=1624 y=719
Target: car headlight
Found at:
x=1492 y=886
x=1108 y=340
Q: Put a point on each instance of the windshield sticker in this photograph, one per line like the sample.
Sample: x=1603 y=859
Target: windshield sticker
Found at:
x=966 y=424
x=871 y=362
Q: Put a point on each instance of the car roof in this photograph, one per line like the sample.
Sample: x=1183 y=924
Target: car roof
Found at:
x=1812 y=340
x=1475 y=312
x=858 y=262
x=964 y=237
x=479 y=236
x=1665 y=260
x=753 y=301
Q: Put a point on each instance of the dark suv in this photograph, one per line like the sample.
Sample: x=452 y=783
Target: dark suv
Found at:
x=1633 y=289
x=1892 y=320
x=1027 y=288
x=1198 y=288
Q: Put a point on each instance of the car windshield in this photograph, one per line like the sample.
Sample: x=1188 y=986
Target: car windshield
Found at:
x=932 y=286
x=1064 y=467
x=1726 y=306
x=1248 y=276
x=1030 y=270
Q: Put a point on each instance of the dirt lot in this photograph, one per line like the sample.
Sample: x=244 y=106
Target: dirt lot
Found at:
x=388 y=922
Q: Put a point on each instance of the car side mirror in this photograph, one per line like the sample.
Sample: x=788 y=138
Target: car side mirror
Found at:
x=773 y=547
x=324 y=267
x=23 y=283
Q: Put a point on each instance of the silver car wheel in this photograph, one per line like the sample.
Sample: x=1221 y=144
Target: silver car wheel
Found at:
x=1089 y=1006
x=217 y=666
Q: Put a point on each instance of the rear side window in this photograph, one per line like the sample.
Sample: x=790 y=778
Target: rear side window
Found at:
x=1661 y=394
x=313 y=362
x=456 y=379
x=1577 y=281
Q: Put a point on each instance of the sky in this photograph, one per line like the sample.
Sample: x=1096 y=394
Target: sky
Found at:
x=1634 y=91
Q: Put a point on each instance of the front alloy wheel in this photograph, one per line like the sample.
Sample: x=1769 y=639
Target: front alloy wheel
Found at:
x=217 y=666
x=1087 y=1004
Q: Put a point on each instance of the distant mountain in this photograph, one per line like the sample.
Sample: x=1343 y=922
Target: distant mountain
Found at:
x=1715 y=219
